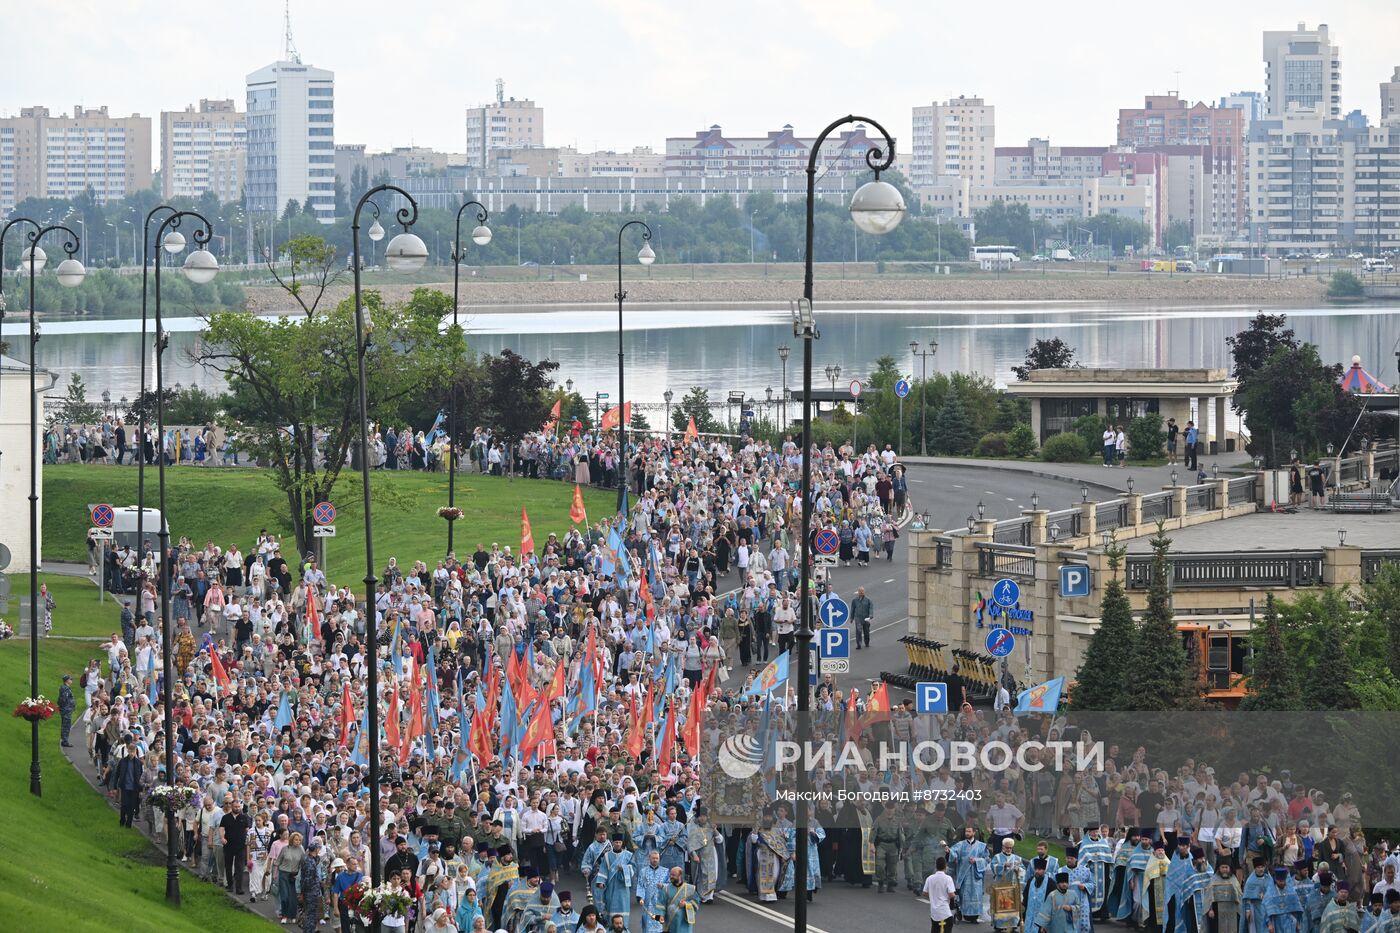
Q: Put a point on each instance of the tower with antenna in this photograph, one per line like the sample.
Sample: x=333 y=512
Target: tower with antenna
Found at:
x=500 y=91
x=289 y=48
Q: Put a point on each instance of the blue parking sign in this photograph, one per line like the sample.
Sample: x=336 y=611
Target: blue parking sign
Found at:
x=834 y=643
x=931 y=697
x=1075 y=582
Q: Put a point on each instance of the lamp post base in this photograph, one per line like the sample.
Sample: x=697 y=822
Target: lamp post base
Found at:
x=36 y=786
x=172 y=885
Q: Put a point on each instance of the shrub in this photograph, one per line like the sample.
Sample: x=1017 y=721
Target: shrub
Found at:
x=1021 y=441
x=1064 y=448
x=1090 y=429
x=993 y=444
x=1145 y=437
x=1345 y=285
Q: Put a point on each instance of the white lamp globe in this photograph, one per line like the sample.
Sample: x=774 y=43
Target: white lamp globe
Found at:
x=376 y=232
x=646 y=256
x=481 y=235
x=201 y=267
x=41 y=258
x=70 y=273
x=174 y=242
x=877 y=207
x=406 y=253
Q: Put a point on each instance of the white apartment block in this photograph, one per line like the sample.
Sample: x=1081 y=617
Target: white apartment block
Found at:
x=291 y=139
x=955 y=138
x=1136 y=199
x=713 y=154
x=46 y=156
x=190 y=138
x=1390 y=97
x=506 y=123
x=1302 y=68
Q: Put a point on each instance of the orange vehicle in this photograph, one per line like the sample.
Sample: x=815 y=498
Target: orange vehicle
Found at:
x=1219 y=658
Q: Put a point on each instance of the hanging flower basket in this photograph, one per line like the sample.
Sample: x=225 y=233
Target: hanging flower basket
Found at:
x=35 y=709
x=171 y=799
x=450 y=513
x=374 y=904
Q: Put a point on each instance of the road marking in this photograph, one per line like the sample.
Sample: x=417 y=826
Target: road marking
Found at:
x=888 y=624
x=989 y=492
x=956 y=486
x=764 y=912
x=890 y=580
x=919 y=481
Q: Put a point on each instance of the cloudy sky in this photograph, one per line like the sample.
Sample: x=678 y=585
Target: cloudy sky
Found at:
x=618 y=73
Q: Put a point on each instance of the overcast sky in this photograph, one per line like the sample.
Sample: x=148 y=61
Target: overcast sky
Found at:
x=617 y=73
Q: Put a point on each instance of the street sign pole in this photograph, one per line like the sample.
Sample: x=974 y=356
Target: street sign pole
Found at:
x=101 y=571
x=900 y=448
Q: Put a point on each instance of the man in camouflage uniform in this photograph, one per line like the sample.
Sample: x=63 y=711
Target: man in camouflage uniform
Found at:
x=928 y=843
x=888 y=836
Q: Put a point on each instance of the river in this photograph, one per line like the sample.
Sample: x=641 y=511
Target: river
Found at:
x=727 y=350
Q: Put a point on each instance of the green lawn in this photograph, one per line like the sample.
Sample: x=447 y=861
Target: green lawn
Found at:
x=76 y=609
x=65 y=864
x=232 y=505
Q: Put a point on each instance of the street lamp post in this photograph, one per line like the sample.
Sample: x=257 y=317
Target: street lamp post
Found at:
x=200 y=267
x=405 y=253
x=783 y=352
x=646 y=257
x=174 y=243
x=70 y=274
x=876 y=208
x=668 y=395
x=923 y=391
x=481 y=235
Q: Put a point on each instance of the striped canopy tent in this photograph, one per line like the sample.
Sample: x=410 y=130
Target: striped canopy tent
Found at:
x=1359 y=382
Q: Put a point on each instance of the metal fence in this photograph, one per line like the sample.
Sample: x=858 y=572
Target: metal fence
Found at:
x=1372 y=561
x=1005 y=560
x=1351 y=470
x=1013 y=531
x=1109 y=516
x=1243 y=489
x=1066 y=523
x=1201 y=498
x=1206 y=571
x=943 y=552
x=1157 y=507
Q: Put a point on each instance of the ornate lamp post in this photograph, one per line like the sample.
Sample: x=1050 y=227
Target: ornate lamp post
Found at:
x=668 y=395
x=481 y=235
x=405 y=253
x=877 y=207
x=783 y=352
x=923 y=390
x=174 y=243
x=646 y=257
x=200 y=268
x=70 y=274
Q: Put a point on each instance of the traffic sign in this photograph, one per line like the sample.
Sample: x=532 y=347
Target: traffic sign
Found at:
x=834 y=643
x=856 y=388
x=1007 y=593
x=100 y=534
x=825 y=560
x=4 y=586
x=836 y=665
x=1074 y=581
x=826 y=542
x=834 y=612
x=4 y=557
x=323 y=514
x=102 y=515
x=323 y=531
x=931 y=697
x=1000 y=642
x=901 y=388
x=603 y=395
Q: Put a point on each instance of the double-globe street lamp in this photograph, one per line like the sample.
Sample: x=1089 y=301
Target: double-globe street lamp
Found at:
x=923 y=391
x=405 y=253
x=877 y=207
x=200 y=267
x=481 y=235
x=174 y=243
x=70 y=274
x=646 y=257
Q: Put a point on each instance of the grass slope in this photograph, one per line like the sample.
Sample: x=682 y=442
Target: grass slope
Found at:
x=65 y=864
x=232 y=505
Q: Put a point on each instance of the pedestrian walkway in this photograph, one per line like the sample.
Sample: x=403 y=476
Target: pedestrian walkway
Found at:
x=1099 y=477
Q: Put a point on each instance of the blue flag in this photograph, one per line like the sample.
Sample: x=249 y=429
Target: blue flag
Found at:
x=770 y=678
x=1044 y=698
x=433 y=697
x=284 y=712
x=357 y=756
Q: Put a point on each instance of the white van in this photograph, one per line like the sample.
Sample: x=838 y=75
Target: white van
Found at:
x=124 y=526
x=1374 y=264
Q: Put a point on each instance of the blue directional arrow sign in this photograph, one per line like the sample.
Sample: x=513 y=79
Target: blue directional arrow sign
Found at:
x=901 y=388
x=834 y=612
x=834 y=643
x=930 y=697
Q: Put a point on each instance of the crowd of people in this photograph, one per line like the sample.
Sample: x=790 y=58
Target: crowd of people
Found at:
x=534 y=702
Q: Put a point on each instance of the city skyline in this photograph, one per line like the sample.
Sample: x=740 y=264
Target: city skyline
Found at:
x=610 y=75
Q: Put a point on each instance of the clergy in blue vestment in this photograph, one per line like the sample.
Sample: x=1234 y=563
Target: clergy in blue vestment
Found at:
x=1190 y=914
x=1059 y=913
x=1039 y=884
x=1340 y=915
x=1081 y=882
x=612 y=880
x=652 y=879
x=1178 y=870
x=1096 y=854
x=1283 y=910
x=967 y=861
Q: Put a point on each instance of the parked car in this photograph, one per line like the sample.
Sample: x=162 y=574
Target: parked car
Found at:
x=1376 y=265
x=1319 y=257
x=1185 y=265
x=1356 y=255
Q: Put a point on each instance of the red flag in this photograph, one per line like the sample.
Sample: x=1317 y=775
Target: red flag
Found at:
x=577 y=513
x=690 y=432
x=690 y=735
x=636 y=735
x=852 y=719
x=877 y=705
x=415 y=725
x=347 y=715
x=668 y=741
x=313 y=612
x=391 y=722
x=626 y=412
x=610 y=419
x=527 y=539
x=540 y=729
x=220 y=675
x=554 y=412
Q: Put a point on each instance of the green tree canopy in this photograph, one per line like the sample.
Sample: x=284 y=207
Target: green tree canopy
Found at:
x=1105 y=679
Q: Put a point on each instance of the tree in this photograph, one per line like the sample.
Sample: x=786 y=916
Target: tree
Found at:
x=193 y=406
x=953 y=431
x=1021 y=441
x=1381 y=599
x=1178 y=233
x=1272 y=686
x=1165 y=680
x=1254 y=346
x=1046 y=354
x=291 y=209
x=313 y=271
x=1345 y=286
x=1291 y=401
x=292 y=382
x=76 y=409
x=638 y=421
x=1328 y=685
x=515 y=393
x=1000 y=223
x=1105 y=680
x=695 y=404
x=1146 y=437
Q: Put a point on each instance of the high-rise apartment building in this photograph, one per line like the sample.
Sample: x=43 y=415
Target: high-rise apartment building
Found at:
x=955 y=138
x=1302 y=68
x=1038 y=162
x=1250 y=102
x=1390 y=97
x=291 y=139
x=711 y=153
x=502 y=124
x=188 y=140
x=46 y=156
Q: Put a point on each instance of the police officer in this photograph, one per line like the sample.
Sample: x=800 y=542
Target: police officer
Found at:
x=888 y=834
x=66 y=705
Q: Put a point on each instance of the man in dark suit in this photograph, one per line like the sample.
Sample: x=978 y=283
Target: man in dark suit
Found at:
x=127 y=780
x=121 y=440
